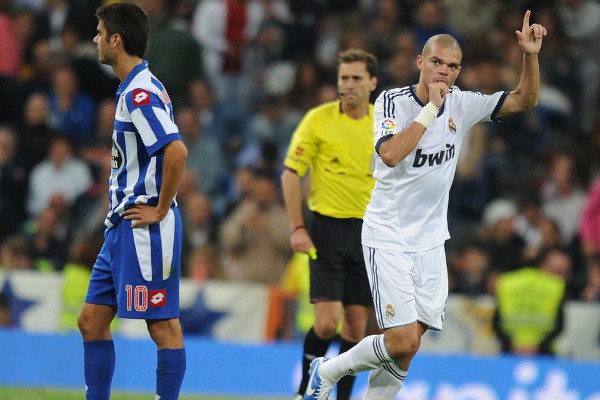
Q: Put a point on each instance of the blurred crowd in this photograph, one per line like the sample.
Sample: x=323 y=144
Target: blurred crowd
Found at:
x=242 y=73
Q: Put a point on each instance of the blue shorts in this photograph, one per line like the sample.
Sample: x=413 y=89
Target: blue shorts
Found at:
x=138 y=269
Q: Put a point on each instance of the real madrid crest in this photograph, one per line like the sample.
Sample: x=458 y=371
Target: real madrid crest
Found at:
x=451 y=125
x=389 y=311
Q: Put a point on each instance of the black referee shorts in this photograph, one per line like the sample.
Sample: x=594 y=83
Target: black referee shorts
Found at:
x=339 y=272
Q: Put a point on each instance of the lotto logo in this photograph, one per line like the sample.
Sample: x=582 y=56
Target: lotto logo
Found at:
x=140 y=97
x=158 y=298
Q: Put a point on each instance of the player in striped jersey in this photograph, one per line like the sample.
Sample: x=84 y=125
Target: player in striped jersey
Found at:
x=419 y=131
x=136 y=274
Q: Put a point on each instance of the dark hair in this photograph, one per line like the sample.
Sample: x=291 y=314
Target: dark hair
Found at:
x=353 y=55
x=130 y=22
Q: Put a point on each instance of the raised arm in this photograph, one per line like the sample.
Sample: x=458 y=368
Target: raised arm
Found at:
x=525 y=96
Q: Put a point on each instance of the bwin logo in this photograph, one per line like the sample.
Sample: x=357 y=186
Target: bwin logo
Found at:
x=434 y=159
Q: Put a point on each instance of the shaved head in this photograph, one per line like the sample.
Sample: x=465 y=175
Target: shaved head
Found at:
x=444 y=41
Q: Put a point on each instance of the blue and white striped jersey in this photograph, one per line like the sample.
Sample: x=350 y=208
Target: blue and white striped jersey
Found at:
x=143 y=126
x=409 y=204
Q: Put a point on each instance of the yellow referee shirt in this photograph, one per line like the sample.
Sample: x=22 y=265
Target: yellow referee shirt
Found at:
x=339 y=152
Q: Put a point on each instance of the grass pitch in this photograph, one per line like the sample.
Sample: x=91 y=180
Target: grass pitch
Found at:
x=10 y=393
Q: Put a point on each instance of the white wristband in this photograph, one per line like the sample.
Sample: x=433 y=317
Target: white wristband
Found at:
x=427 y=114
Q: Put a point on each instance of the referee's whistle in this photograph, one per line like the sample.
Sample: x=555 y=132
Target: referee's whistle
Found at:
x=312 y=252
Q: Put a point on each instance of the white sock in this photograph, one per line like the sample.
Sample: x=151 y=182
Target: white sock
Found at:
x=385 y=382
x=369 y=354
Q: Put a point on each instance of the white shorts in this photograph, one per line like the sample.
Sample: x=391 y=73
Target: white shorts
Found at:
x=408 y=287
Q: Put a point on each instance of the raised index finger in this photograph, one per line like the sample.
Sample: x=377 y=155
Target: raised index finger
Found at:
x=525 y=28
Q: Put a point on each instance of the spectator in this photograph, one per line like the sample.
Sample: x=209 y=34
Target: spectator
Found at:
x=11 y=50
x=591 y=291
x=204 y=263
x=504 y=246
x=589 y=223
x=254 y=237
x=30 y=26
x=43 y=58
x=472 y=17
x=92 y=77
x=581 y=23
x=15 y=254
x=530 y=305
x=273 y=125
x=94 y=153
x=220 y=121
x=47 y=236
x=88 y=211
x=470 y=270
x=240 y=189
x=549 y=237
x=60 y=174
x=205 y=155
x=225 y=29
x=72 y=111
x=431 y=20
x=176 y=57
x=35 y=135
x=13 y=184
x=302 y=96
x=301 y=28
x=563 y=197
x=383 y=28
x=199 y=224
x=76 y=276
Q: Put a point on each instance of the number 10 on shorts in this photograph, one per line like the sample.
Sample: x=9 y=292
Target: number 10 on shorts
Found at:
x=140 y=298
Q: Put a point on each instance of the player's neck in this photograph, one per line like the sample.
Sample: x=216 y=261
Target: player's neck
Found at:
x=358 y=112
x=124 y=66
x=422 y=92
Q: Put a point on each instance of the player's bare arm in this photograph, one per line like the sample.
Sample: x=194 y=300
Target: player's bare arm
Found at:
x=292 y=196
x=175 y=155
x=525 y=96
x=404 y=142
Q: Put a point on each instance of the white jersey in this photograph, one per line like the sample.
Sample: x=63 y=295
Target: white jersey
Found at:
x=409 y=204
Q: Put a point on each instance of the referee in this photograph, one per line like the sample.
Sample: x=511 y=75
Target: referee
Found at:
x=335 y=141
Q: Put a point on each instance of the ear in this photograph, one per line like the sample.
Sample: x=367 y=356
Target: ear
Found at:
x=374 y=81
x=420 y=61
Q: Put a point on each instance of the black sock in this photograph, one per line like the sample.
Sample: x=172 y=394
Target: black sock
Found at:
x=314 y=347
x=344 y=386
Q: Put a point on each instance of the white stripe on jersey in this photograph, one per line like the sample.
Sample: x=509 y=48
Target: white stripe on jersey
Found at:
x=150 y=184
x=143 y=127
x=409 y=204
x=167 y=240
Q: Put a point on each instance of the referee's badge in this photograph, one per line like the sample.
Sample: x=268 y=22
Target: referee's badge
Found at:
x=389 y=311
x=451 y=125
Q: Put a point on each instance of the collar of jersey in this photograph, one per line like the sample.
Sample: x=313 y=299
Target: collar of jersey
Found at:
x=414 y=94
x=136 y=70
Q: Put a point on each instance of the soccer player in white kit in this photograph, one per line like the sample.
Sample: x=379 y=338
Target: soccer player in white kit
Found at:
x=419 y=131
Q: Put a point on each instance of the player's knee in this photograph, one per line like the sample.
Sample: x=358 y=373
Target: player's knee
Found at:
x=165 y=333
x=85 y=325
x=400 y=345
x=326 y=329
x=81 y=324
